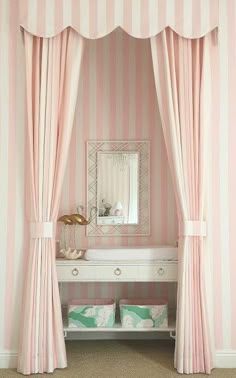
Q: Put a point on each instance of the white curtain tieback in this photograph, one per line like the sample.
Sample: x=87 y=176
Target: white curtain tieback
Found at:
x=42 y=229
x=193 y=228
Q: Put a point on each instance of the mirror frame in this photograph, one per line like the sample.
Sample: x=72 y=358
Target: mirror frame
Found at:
x=143 y=148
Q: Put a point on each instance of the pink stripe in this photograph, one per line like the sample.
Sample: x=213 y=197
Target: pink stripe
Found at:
x=126 y=82
x=86 y=113
x=98 y=291
x=127 y=14
x=72 y=197
x=152 y=113
x=110 y=14
x=137 y=240
x=111 y=290
x=58 y=20
x=27 y=210
x=179 y=16
x=124 y=290
x=164 y=194
x=144 y=18
x=99 y=88
x=232 y=176
x=138 y=89
x=84 y=290
x=72 y=170
x=112 y=80
x=196 y=16
x=76 y=16
x=11 y=224
x=41 y=16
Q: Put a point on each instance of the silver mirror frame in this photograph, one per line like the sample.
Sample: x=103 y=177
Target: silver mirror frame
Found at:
x=143 y=148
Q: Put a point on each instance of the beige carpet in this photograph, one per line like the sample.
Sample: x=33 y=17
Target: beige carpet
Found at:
x=120 y=359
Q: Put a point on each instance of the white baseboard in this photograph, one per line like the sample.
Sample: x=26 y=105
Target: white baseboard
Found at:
x=8 y=360
x=118 y=336
x=225 y=359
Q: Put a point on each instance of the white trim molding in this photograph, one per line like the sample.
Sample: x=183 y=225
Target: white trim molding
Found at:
x=8 y=360
x=225 y=358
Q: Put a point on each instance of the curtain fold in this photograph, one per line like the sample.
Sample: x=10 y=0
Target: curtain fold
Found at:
x=180 y=72
x=52 y=78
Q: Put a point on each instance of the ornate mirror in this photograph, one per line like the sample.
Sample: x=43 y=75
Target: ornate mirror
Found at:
x=118 y=185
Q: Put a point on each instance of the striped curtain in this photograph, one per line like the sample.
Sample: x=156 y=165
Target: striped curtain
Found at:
x=181 y=78
x=52 y=77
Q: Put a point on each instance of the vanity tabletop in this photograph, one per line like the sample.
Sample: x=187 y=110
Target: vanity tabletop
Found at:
x=63 y=261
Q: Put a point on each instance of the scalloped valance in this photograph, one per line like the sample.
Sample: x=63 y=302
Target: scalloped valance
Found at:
x=139 y=18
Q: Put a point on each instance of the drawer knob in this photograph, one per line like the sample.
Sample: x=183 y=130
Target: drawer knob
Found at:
x=161 y=271
x=75 y=272
x=117 y=272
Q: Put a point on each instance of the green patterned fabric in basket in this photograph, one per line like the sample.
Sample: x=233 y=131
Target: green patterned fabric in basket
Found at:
x=144 y=316
x=83 y=316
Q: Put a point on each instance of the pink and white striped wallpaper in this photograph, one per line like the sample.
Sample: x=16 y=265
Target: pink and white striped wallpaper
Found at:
x=117 y=101
x=120 y=103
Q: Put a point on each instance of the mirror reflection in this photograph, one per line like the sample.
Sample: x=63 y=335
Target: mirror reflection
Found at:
x=117 y=187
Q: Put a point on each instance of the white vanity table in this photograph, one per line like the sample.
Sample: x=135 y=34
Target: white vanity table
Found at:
x=118 y=174
x=117 y=271
x=112 y=271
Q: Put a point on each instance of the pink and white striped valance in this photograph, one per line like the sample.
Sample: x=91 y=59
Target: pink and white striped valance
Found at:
x=139 y=18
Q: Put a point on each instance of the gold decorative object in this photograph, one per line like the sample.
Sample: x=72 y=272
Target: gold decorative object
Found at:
x=65 y=219
x=73 y=219
x=79 y=219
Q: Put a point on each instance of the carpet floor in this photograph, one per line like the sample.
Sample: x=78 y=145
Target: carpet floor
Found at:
x=120 y=359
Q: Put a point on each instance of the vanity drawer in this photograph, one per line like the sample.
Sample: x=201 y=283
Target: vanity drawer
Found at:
x=75 y=272
x=117 y=273
x=160 y=272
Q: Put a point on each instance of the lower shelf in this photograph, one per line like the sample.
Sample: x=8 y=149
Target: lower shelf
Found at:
x=118 y=328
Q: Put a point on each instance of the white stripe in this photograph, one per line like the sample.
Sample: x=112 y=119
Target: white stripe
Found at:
x=132 y=85
x=67 y=13
x=187 y=17
x=19 y=219
x=205 y=15
x=156 y=175
x=170 y=11
x=92 y=82
x=49 y=17
x=80 y=152
x=153 y=16
x=84 y=17
x=159 y=140
x=106 y=86
x=136 y=8
x=224 y=189
x=32 y=15
x=4 y=122
x=101 y=16
x=118 y=12
x=171 y=205
x=209 y=263
x=145 y=73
